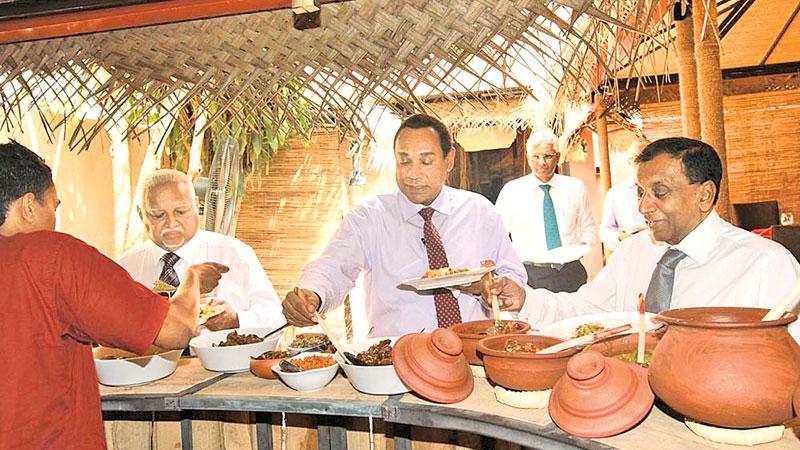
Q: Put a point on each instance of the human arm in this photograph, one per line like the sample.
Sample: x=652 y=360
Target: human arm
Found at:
x=585 y=219
x=609 y=227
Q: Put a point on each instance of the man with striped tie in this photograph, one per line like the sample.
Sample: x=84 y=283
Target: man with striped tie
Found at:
x=549 y=219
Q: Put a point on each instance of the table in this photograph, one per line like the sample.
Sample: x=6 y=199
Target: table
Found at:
x=339 y=415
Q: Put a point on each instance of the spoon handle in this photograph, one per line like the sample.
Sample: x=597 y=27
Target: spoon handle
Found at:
x=786 y=304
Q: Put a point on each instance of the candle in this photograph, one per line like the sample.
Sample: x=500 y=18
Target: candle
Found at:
x=642 y=330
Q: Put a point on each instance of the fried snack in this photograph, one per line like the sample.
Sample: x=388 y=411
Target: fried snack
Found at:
x=159 y=287
x=444 y=271
x=313 y=362
x=235 y=338
x=514 y=346
x=587 y=329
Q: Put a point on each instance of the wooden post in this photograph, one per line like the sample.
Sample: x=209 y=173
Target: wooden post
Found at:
x=601 y=125
x=709 y=76
x=687 y=74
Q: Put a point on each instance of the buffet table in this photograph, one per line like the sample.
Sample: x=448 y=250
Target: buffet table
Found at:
x=194 y=407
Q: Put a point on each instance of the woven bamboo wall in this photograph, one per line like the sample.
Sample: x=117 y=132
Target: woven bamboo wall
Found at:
x=288 y=215
x=762 y=133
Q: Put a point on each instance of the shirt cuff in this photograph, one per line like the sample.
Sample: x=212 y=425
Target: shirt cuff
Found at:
x=529 y=311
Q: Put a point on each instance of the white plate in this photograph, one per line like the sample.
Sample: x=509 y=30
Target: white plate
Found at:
x=133 y=370
x=456 y=279
x=565 y=329
x=375 y=380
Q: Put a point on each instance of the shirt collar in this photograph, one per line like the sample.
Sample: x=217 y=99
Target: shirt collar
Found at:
x=442 y=204
x=537 y=182
x=186 y=252
x=700 y=241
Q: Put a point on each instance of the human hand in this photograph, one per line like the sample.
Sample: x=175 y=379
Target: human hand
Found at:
x=509 y=295
x=299 y=307
x=209 y=274
x=227 y=319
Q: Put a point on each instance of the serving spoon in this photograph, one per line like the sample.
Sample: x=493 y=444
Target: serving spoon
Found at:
x=788 y=303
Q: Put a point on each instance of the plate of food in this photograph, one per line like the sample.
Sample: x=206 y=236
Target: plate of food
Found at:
x=447 y=277
x=592 y=323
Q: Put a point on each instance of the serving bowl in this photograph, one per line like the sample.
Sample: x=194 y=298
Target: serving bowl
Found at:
x=375 y=380
x=725 y=367
x=472 y=332
x=263 y=367
x=625 y=344
x=234 y=358
x=307 y=380
x=523 y=371
x=117 y=367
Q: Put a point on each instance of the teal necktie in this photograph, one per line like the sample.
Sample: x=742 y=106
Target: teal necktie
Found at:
x=550 y=221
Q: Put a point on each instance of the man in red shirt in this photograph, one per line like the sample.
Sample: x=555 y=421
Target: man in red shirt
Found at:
x=59 y=295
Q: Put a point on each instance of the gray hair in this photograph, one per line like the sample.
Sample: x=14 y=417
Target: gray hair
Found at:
x=164 y=176
x=541 y=138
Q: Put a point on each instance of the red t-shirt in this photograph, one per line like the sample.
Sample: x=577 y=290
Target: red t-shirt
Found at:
x=58 y=295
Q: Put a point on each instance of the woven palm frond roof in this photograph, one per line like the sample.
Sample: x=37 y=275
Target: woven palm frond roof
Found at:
x=392 y=53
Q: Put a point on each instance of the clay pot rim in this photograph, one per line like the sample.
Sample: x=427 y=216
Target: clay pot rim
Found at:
x=668 y=317
x=482 y=348
x=455 y=328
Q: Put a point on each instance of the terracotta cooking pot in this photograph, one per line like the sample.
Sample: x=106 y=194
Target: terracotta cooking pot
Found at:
x=523 y=371
x=626 y=343
x=472 y=332
x=797 y=401
x=725 y=367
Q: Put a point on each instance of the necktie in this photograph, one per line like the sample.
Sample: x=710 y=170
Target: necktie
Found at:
x=447 y=311
x=550 y=221
x=659 y=293
x=168 y=273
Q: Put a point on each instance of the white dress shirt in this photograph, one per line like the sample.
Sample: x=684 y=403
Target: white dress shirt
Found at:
x=620 y=212
x=245 y=286
x=383 y=239
x=520 y=204
x=725 y=266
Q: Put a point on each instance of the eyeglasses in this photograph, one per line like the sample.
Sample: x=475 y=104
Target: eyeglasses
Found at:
x=546 y=157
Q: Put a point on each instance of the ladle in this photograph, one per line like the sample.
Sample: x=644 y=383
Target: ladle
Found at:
x=788 y=303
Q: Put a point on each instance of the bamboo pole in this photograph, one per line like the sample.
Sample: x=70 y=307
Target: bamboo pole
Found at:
x=709 y=76
x=687 y=76
x=601 y=125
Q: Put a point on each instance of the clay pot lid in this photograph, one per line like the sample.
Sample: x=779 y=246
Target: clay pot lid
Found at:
x=600 y=396
x=433 y=365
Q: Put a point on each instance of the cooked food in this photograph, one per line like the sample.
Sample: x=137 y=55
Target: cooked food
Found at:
x=505 y=327
x=512 y=345
x=314 y=362
x=234 y=338
x=207 y=311
x=310 y=340
x=631 y=356
x=159 y=287
x=379 y=354
x=273 y=354
x=444 y=271
x=587 y=329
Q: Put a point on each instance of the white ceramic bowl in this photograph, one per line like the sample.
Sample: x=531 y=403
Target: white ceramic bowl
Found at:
x=134 y=369
x=231 y=359
x=307 y=380
x=375 y=380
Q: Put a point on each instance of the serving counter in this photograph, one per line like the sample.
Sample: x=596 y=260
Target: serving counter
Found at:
x=196 y=408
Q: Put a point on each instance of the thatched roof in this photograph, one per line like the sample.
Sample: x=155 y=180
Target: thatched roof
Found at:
x=392 y=53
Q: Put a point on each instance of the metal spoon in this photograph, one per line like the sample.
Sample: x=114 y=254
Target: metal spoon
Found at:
x=288 y=366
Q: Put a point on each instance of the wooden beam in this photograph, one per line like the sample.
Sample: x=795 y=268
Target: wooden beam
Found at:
x=130 y=16
x=780 y=35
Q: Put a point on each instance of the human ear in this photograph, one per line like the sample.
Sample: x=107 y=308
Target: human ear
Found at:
x=706 y=195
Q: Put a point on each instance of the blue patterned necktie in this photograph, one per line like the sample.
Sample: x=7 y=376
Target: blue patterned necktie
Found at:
x=168 y=273
x=550 y=221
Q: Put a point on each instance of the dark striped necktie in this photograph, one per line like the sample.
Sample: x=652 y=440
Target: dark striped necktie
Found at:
x=168 y=273
x=447 y=310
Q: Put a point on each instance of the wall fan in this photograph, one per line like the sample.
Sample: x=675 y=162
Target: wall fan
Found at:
x=223 y=187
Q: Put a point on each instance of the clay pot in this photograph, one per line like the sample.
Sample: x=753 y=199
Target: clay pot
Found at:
x=600 y=396
x=626 y=343
x=263 y=367
x=725 y=367
x=523 y=371
x=797 y=401
x=433 y=365
x=472 y=332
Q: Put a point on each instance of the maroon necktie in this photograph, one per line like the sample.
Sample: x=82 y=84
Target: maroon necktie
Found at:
x=168 y=273
x=447 y=312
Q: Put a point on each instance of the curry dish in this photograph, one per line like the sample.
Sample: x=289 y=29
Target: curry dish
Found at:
x=444 y=271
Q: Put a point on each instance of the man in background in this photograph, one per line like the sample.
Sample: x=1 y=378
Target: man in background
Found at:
x=60 y=296
x=398 y=236
x=169 y=212
x=621 y=216
x=549 y=218
x=690 y=257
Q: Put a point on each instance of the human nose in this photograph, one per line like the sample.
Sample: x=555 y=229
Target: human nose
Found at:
x=645 y=204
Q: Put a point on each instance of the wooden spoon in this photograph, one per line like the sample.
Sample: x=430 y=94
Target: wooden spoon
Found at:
x=584 y=340
x=788 y=303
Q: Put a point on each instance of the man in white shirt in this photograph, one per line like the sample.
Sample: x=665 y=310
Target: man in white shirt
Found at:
x=549 y=219
x=169 y=212
x=718 y=264
x=621 y=216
